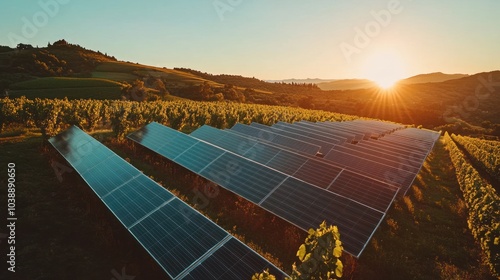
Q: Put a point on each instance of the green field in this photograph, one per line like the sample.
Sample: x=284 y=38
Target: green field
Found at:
x=115 y=76
x=72 y=88
x=122 y=70
x=99 y=93
x=64 y=82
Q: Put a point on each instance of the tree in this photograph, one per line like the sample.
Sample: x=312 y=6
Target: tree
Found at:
x=319 y=256
x=21 y=46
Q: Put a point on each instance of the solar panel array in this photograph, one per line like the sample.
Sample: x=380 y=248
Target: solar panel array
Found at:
x=384 y=151
x=286 y=179
x=183 y=242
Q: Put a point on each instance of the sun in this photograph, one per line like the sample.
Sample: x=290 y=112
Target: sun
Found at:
x=385 y=68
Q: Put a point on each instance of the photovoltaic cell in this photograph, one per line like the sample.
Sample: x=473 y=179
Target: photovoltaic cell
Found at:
x=296 y=201
x=317 y=173
x=156 y=139
x=312 y=170
x=182 y=143
x=178 y=237
x=286 y=162
x=135 y=199
x=198 y=156
x=305 y=207
x=239 y=176
x=232 y=261
x=268 y=136
x=375 y=194
x=261 y=153
x=109 y=174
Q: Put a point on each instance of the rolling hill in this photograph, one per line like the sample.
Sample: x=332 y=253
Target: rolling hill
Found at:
x=431 y=78
x=453 y=102
x=347 y=84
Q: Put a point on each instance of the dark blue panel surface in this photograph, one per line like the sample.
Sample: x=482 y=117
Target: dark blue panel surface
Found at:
x=239 y=176
x=109 y=174
x=135 y=199
x=198 y=156
x=177 y=146
x=317 y=173
x=307 y=207
x=287 y=162
x=177 y=235
x=233 y=261
x=153 y=135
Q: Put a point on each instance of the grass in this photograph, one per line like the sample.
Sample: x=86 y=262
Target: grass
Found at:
x=73 y=88
x=64 y=82
x=100 y=93
x=139 y=70
x=115 y=76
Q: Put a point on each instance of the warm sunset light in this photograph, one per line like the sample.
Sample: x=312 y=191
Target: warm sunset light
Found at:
x=385 y=68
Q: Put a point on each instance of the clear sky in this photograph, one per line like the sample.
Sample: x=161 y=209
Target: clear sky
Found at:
x=271 y=39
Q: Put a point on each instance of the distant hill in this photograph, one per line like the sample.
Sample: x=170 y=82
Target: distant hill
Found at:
x=445 y=101
x=435 y=77
x=301 y=81
x=347 y=84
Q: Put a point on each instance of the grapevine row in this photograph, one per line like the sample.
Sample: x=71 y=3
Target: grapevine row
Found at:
x=483 y=206
x=484 y=154
x=52 y=116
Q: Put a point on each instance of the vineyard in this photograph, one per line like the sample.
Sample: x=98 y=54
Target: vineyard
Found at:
x=480 y=197
x=52 y=116
x=485 y=154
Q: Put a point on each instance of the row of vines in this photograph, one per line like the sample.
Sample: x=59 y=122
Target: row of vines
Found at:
x=486 y=155
x=52 y=116
x=483 y=206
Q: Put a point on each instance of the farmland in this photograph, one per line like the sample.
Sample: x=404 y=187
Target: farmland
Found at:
x=406 y=243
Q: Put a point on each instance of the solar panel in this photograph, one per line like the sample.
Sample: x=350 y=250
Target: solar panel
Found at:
x=180 y=239
x=325 y=145
x=312 y=170
x=384 y=153
x=389 y=174
x=268 y=188
x=298 y=203
x=332 y=139
x=343 y=137
x=239 y=176
x=231 y=261
x=268 y=136
x=396 y=163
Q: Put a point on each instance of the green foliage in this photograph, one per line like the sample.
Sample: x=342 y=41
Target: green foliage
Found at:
x=62 y=82
x=55 y=115
x=320 y=255
x=265 y=275
x=484 y=154
x=481 y=200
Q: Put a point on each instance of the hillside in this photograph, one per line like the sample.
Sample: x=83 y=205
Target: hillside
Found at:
x=431 y=78
x=347 y=84
x=427 y=100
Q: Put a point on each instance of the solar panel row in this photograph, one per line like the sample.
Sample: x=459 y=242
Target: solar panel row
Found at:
x=306 y=205
x=313 y=170
x=395 y=157
x=182 y=241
